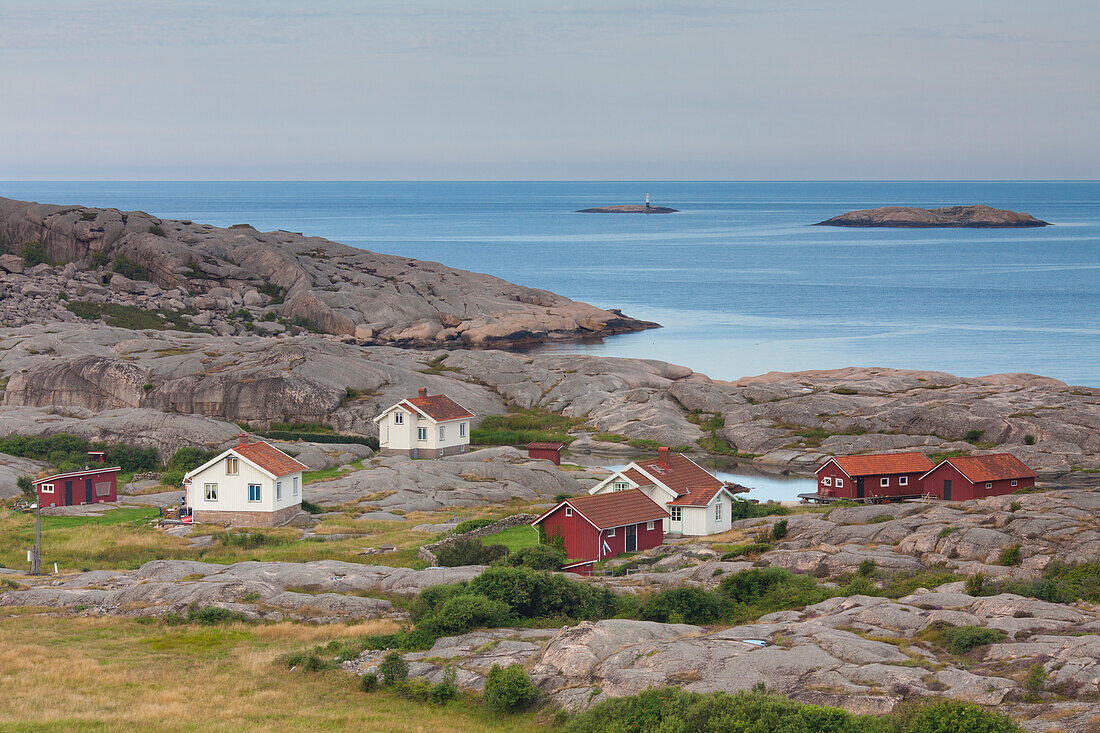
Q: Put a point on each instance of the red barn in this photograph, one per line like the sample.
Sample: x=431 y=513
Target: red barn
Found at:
x=975 y=477
x=875 y=475
x=603 y=526
x=90 y=486
x=546 y=451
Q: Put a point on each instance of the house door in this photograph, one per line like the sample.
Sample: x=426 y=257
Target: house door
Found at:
x=632 y=538
x=89 y=496
x=947 y=489
x=68 y=493
x=859 y=487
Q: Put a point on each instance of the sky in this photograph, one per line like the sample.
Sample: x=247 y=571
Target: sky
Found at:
x=533 y=90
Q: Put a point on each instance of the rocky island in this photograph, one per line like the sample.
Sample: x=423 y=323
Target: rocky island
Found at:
x=645 y=208
x=974 y=216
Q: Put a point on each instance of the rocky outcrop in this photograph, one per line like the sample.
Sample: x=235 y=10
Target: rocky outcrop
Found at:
x=975 y=216
x=238 y=279
x=628 y=209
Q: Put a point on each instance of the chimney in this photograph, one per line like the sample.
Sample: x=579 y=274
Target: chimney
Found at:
x=662 y=456
x=97 y=456
x=423 y=391
x=242 y=440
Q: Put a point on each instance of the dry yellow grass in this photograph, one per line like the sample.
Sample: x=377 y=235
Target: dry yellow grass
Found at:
x=81 y=674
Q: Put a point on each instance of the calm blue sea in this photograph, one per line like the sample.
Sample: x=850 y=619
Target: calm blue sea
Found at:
x=741 y=281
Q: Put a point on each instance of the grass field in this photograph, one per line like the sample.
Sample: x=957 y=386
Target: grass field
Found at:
x=514 y=538
x=63 y=673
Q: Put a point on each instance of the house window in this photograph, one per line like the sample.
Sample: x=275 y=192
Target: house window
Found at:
x=718 y=511
x=278 y=491
x=611 y=532
x=442 y=433
x=421 y=433
x=1013 y=483
x=649 y=526
x=232 y=465
x=619 y=486
x=827 y=481
x=211 y=491
x=839 y=482
x=462 y=430
x=294 y=483
x=568 y=511
x=254 y=492
x=48 y=488
x=398 y=418
x=903 y=480
x=677 y=513
x=989 y=484
x=884 y=481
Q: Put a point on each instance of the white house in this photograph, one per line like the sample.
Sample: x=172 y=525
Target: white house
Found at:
x=249 y=485
x=698 y=502
x=425 y=426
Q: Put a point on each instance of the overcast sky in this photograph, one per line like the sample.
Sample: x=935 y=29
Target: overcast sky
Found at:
x=591 y=89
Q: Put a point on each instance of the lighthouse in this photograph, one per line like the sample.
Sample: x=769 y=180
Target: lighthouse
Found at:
x=647 y=202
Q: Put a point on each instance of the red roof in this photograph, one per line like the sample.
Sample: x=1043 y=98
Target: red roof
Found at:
x=993 y=467
x=616 y=509
x=70 y=474
x=695 y=497
x=637 y=477
x=439 y=407
x=882 y=463
x=545 y=446
x=269 y=458
x=681 y=474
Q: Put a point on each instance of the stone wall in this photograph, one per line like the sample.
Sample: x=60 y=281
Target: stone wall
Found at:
x=249 y=519
x=427 y=552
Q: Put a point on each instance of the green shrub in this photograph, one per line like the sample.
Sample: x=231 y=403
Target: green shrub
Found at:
x=779 y=529
x=962 y=639
x=509 y=689
x=306 y=661
x=1010 y=556
x=1059 y=583
x=172 y=478
x=1014 y=507
x=469 y=552
x=211 y=615
x=471 y=524
x=684 y=606
x=393 y=669
x=34 y=253
x=754 y=548
x=1035 y=681
x=749 y=509
x=973 y=436
x=539 y=557
x=843 y=390
x=867 y=568
x=945 y=531
x=129 y=268
x=132 y=317
x=276 y=293
x=310 y=508
x=538 y=594
x=764 y=590
x=975 y=584
x=446 y=690
x=465 y=612
x=880 y=518
x=1029 y=440
x=247 y=540
x=949 y=716
x=26 y=486
x=368 y=682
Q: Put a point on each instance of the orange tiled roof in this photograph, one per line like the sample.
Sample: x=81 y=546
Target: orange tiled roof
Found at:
x=695 y=497
x=545 y=446
x=617 y=509
x=993 y=467
x=882 y=463
x=269 y=458
x=439 y=407
x=681 y=475
x=637 y=477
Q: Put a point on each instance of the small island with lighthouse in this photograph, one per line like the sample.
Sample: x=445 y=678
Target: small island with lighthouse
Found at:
x=645 y=208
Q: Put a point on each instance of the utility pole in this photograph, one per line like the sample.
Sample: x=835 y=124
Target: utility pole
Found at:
x=36 y=557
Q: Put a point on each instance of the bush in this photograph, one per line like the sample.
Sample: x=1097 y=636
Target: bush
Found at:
x=1035 y=681
x=539 y=594
x=973 y=436
x=465 y=612
x=446 y=690
x=34 y=253
x=129 y=268
x=306 y=661
x=749 y=509
x=211 y=615
x=25 y=485
x=471 y=524
x=539 y=557
x=393 y=669
x=779 y=529
x=172 y=478
x=310 y=508
x=368 y=682
x=867 y=568
x=948 y=716
x=1010 y=556
x=509 y=689
x=962 y=639
x=469 y=552
x=765 y=590
x=754 y=548
x=1029 y=440
x=684 y=606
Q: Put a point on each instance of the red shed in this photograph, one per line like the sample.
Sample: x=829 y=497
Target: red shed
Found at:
x=873 y=475
x=975 y=477
x=546 y=451
x=90 y=486
x=602 y=526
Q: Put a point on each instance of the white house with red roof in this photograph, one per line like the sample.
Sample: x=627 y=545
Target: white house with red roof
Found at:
x=697 y=501
x=425 y=426
x=253 y=484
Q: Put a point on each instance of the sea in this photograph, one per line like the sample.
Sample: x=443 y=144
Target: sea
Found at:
x=741 y=280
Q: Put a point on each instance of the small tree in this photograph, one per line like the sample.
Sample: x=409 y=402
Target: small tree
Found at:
x=779 y=529
x=25 y=485
x=509 y=689
x=393 y=669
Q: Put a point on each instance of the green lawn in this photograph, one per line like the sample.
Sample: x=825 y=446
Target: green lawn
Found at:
x=309 y=477
x=120 y=515
x=515 y=538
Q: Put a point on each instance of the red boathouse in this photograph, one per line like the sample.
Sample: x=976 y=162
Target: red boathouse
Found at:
x=975 y=477
x=90 y=486
x=603 y=526
x=875 y=475
x=546 y=451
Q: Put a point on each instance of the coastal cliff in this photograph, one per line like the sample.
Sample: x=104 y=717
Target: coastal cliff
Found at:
x=227 y=279
x=975 y=216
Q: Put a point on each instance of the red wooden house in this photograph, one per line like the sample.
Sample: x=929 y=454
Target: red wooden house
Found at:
x=874 y=475
x=90 y=486
x=974 y=477
x=546 y=451
x=603 y=526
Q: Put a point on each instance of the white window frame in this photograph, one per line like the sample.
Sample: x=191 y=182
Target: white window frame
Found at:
x=611 y=532
x=839 y=482
x=620 y=486
x=48 y=488
x=989 y=484
x=442 y=433
x=884 y=482
x=422 y=435
x=903 y=480
x=568 y=511
x=1014 y=482
x=462 y=430
x=278 y=491
x=232 y=466
x=210 y=492
x=826 y=480
x=259 y=493
x=649 y=526
x=718 y=510
x=677 y=514
x=398 y=417
x=294 y=483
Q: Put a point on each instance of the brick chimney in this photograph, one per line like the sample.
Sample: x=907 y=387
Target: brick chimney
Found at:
x=662 y=456
x=97 y=456
x=423 y=391
x=242 y=440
